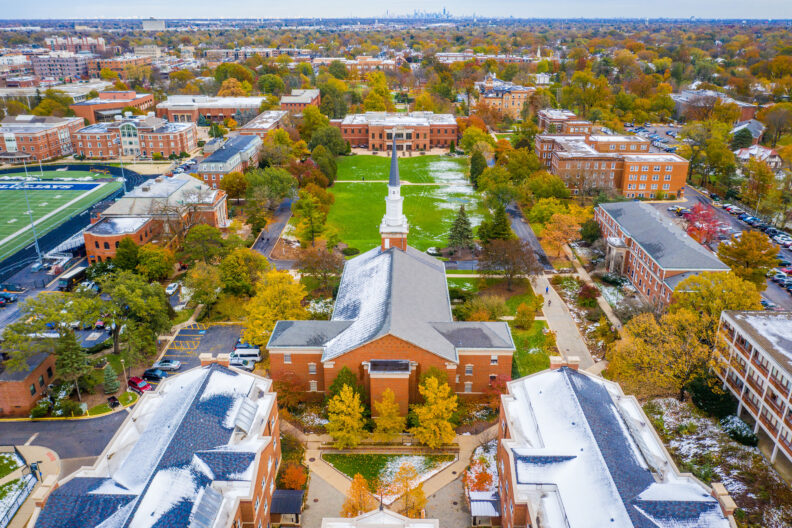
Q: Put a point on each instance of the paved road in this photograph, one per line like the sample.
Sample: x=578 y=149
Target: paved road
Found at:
x=68 y=438
x=773 y=293
x=269 y=236
x=525 y=233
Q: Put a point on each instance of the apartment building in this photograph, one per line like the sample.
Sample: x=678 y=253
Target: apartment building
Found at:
x=562 y=122
x=108 y=105
x=30 y=138
x=414 y=131
x=235 y=155
x=300 y=99
x=263 y=123
x=77 y=44
x=62 y=65
x=203 y=450
x=142 y=136
x=574 y=450
x=503 y=96
x=150 y=50
x=153 y=24
x=191 y=108
x=754 y=363
x=117 y=65
x=21 y=389
x=651 y=251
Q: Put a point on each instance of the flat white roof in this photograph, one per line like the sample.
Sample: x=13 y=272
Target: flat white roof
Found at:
x=396 y=119
x=614 y=139
x=205 y=101
x=265 y=120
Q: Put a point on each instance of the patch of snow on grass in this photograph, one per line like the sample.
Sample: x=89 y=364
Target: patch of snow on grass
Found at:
x=424 y=466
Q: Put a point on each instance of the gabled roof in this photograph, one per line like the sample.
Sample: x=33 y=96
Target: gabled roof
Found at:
x=392 y=292
x=756 y=128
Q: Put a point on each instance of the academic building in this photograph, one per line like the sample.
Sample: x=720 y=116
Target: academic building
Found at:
x=201 y=451
x=392 y=322
x=300 y=99
x=234 y=155
x=503 y=96
x=36 y=138
x=574 y=450
x=142 y=136
x=107 y=105
x=415 y=131
x=191 y=108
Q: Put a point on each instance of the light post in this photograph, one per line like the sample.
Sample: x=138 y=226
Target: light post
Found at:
x=123 y=369
x=117 y=141
x=30 y=213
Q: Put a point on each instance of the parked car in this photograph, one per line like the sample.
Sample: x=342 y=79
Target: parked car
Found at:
x=154 y=374
x=172 y=288
x=167 y=365
x=8 y=297
x=139 y=385
x=244 y=364
x=779 y=277
x=783 y=261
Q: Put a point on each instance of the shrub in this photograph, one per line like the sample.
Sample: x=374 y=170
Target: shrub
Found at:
x=707 y=394
x=739 y=431
x=67 y=407
x=350 y=251
x=156 y=156
x=525 y=316
x=587 y=297
x=484 y=308
x=459 y=294
x=41 y=409
x=292 y=476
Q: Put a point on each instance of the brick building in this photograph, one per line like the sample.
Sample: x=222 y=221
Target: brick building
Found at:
x=694 y=104
x=110 y=104
x=562 y=122
x=62 y=65
x=753 y=361
x=300 y=99
x=574 y=451
x=141 y=136
x=505 y=97
x=235 y=155
x=30 y=138
x=203 y=450
x=651 y=251
x=391 y=322
x=263 y=123
x=20 y=390
x=118 y=65
x=190 y=108
x=77 y=44
x=103 y=236
x=415 y=131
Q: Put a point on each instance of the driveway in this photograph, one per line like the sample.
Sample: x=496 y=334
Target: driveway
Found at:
x=270 y=234
x=526 y=234
x=68 y=438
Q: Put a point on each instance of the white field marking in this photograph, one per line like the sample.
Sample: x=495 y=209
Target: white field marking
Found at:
x=50 y=214
x=43 y=204
x=58 y=196
x=13 y=220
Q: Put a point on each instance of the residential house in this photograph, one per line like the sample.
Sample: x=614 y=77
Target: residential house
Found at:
x=759 y=153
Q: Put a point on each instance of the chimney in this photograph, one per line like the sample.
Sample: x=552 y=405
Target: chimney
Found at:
x=571 y=362
x=556 y=362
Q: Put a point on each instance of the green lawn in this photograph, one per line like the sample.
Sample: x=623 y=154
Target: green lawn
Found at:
x=430 y=211
x=14 y=217
x=531 y=355
x=468 y=285
x=8 y=463
x=380 y=466
x=416 y=169
x=504 y=135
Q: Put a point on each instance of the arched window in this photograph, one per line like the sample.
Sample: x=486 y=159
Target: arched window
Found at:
x=106 y=245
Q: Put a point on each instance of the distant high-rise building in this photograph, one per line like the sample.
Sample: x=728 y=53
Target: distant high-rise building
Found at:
x=152 y=24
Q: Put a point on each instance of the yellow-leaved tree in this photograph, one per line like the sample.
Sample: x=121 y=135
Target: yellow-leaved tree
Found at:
x=405 y=485
x=278 y=297
x=434 y=428
x=750 y=257
x=345 y=418
x=560 y=230
x=389 y=421
x=660 y=357
x=358 y=500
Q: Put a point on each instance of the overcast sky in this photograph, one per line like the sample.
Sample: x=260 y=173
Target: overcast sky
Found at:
x=370 y=8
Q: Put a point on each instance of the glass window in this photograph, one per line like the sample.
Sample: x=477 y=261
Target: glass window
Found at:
x=468 y=370
x=287 y=358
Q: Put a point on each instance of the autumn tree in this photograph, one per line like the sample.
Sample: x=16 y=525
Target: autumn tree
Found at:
x=477 y=477
x=322 y=265
x=241 y=269
x=511 y=258
x=710 y=293
x=154 y=262
x=703 y=223
x=312 y=120
x=234 y=184
x=345 y=418
x=758 y=182
x=389 y=422
x=310 y=217
x=750 y=257
x=560 y=230
x=543 y=210
x=358 y=500
x=204 y=282
x=205 y=243
x=231 y=88
x=278 y=297
x=660 y=356
x=293 y=476
x=433 y=427
x=405 y=485
x=461 y=234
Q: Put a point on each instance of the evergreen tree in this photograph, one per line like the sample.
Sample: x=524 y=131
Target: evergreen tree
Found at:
x=111 y=383
x=496 y=227
x=389 y=421
x=345 y=377
x=345 y=418
x=742 y=139
x=477 y=166
x=72 y=361
x=461 y=234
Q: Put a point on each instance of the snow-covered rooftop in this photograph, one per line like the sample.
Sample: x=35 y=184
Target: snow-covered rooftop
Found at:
x=381 y=518
x=180 y=450
x=264 y=121
x=584 y=455
x=118 y=226
x=207 y=101
x=770 y=331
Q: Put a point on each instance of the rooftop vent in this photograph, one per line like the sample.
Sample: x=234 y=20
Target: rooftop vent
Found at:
x=145 y=188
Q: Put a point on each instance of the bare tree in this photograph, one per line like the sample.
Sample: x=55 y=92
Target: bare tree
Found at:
x=511 y=258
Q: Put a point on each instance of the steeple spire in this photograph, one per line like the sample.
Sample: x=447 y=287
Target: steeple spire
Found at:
x=394 y=228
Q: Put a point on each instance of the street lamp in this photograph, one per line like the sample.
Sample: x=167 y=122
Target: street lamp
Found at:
x=117 y=141
x=123 y=369
x=30 y=213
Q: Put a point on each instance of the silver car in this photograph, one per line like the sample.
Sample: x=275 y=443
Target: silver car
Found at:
x=167 y=365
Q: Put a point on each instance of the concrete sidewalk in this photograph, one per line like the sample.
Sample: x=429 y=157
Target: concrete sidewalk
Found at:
x=50 y=466
x=585 y=277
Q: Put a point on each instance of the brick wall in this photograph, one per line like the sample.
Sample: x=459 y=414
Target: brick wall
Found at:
x=17 y=397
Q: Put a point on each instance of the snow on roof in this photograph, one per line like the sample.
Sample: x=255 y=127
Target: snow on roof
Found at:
x=581 y=456
x=383 y=518
x=178 y=441
x=118 y=226
x=265 y=120
x=300 y=96
x=770 y=331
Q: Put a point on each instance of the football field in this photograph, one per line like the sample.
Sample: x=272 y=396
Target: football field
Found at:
x=55 y=198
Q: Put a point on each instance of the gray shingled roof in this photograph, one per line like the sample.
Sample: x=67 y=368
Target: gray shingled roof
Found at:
x=392 y=292
x=666 y=243
x=19 y=375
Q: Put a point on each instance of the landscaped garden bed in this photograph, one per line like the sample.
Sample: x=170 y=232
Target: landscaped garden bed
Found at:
x=9 y=462
x=379 y=468
x=588 y=316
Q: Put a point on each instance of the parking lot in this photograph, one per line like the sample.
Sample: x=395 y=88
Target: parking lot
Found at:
x=774 y=293
x=660 y=130
x=197 y=339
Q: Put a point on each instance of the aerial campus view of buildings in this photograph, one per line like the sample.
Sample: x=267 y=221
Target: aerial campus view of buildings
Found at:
x=573 y=308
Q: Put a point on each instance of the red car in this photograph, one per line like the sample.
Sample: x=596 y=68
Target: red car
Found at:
x=139 y=385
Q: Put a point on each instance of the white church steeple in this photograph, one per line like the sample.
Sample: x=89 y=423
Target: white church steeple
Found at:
x=394 y=226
